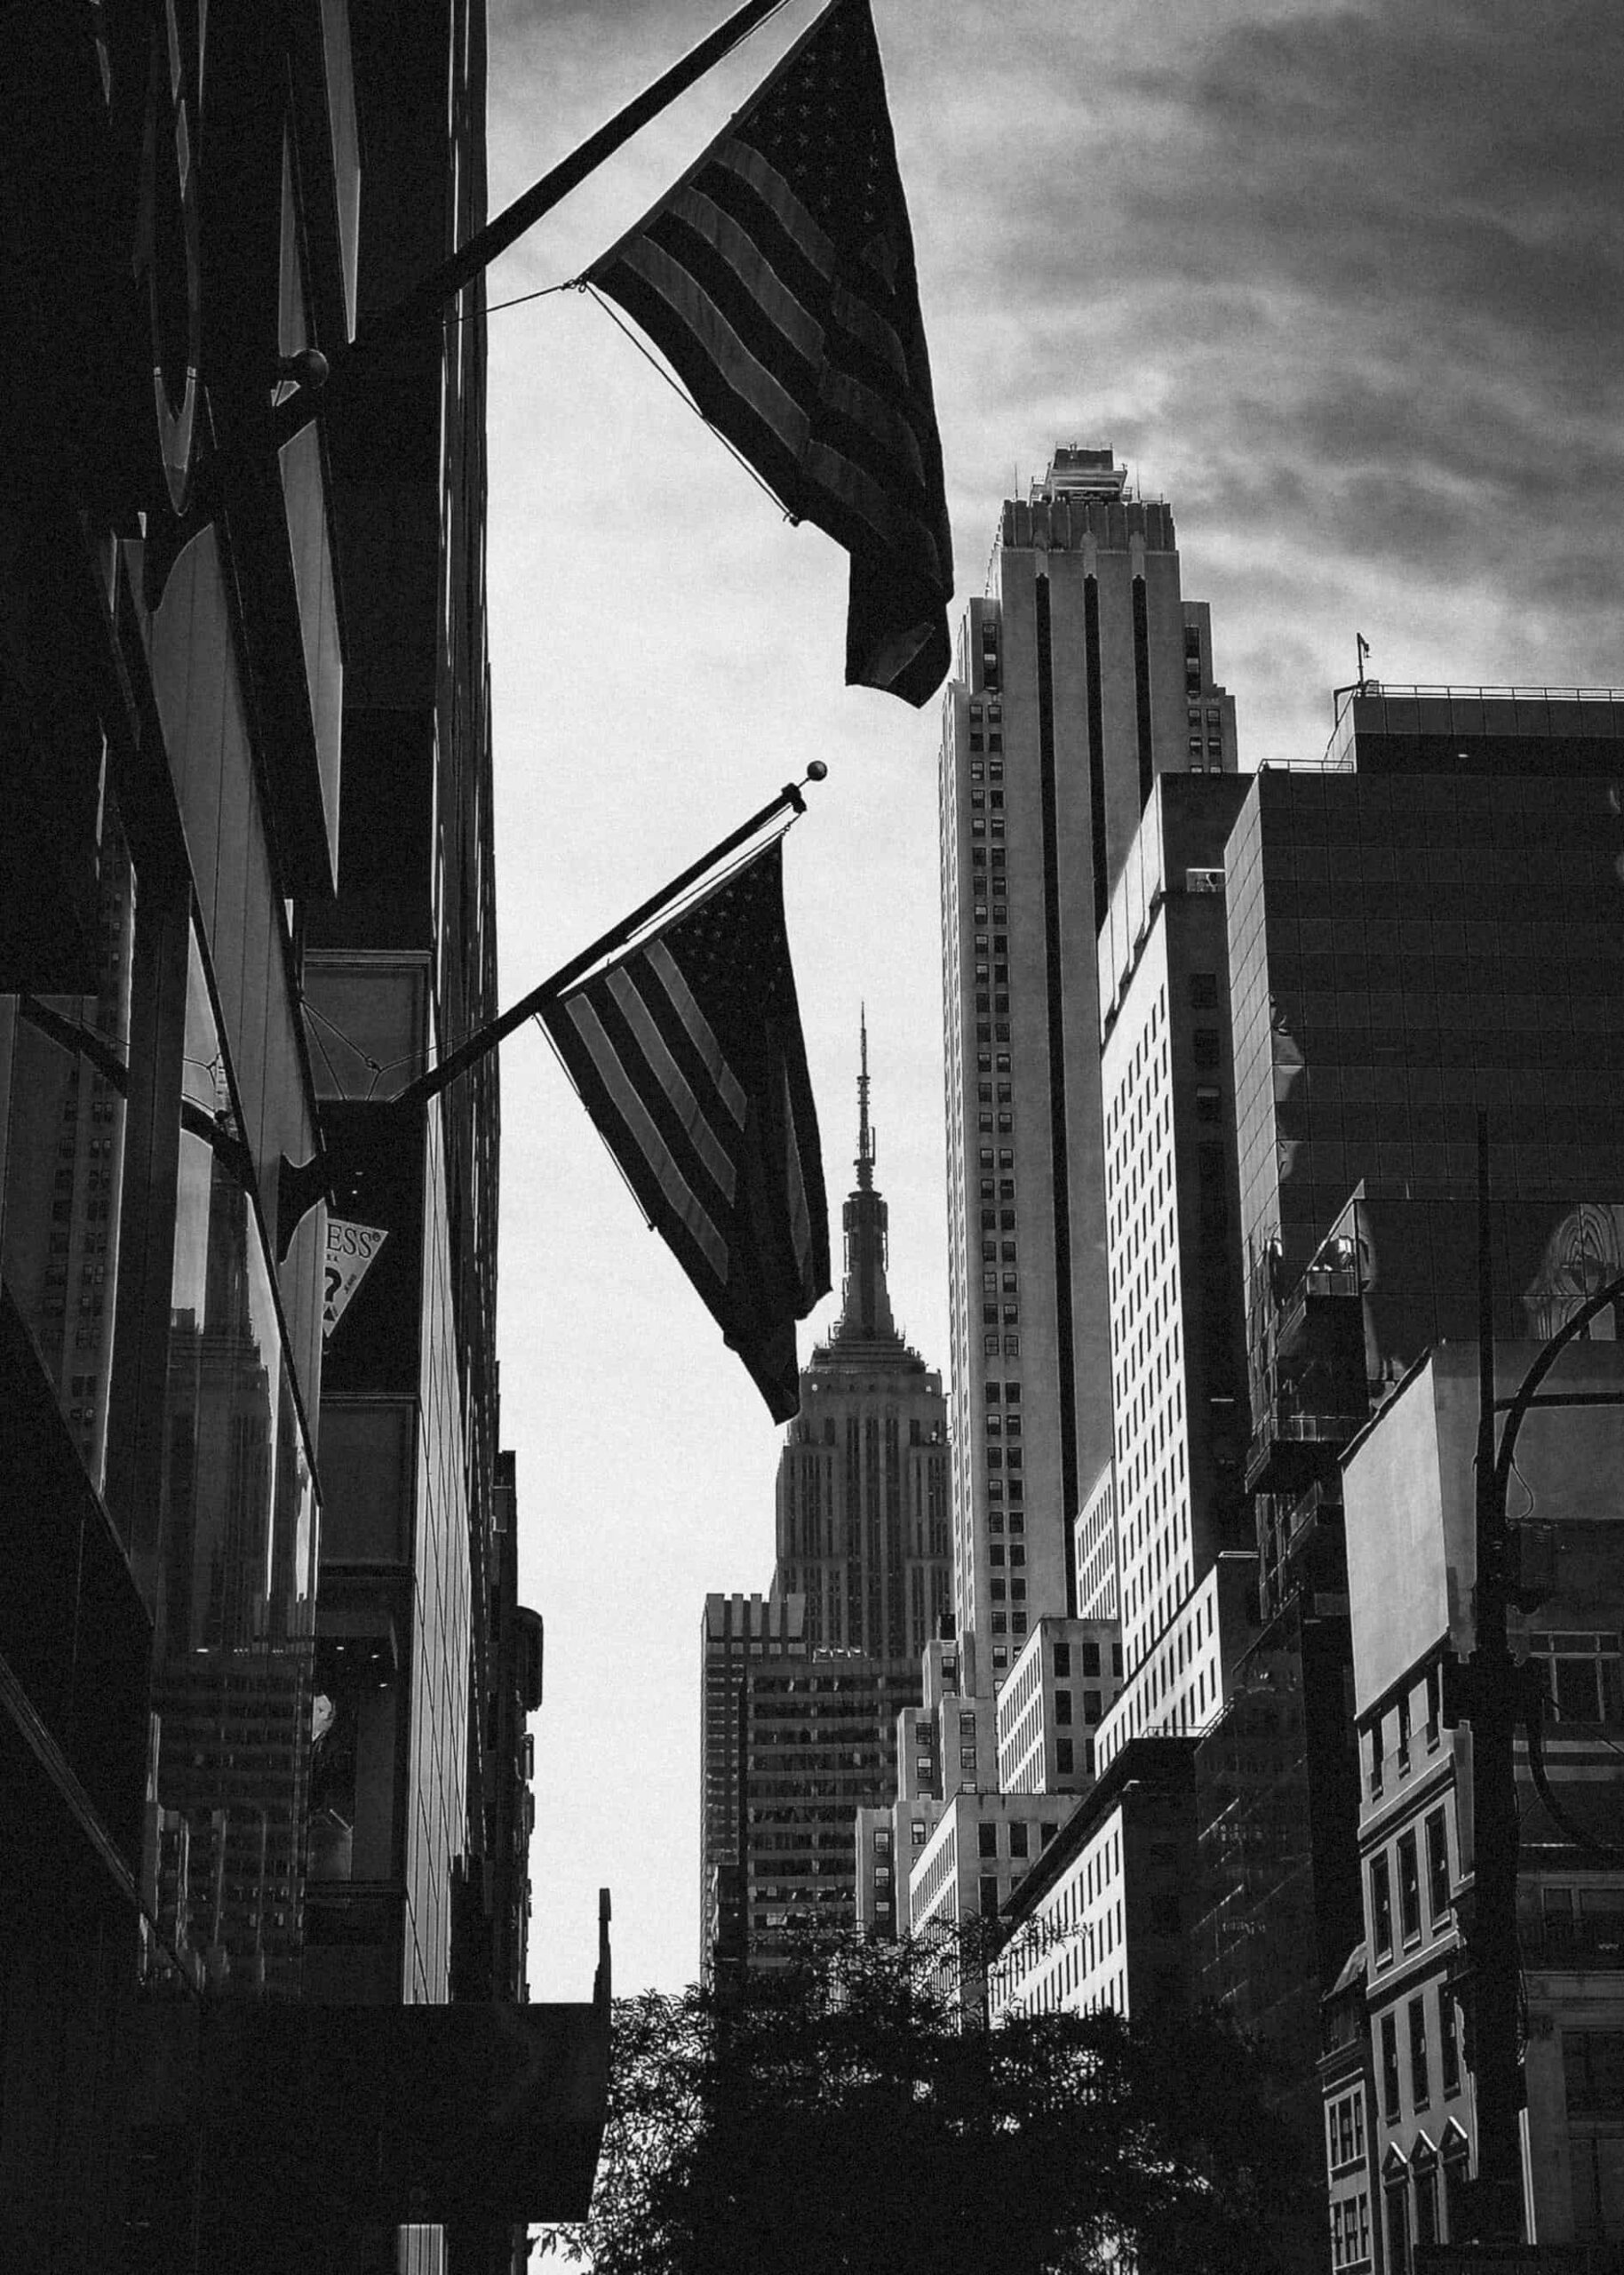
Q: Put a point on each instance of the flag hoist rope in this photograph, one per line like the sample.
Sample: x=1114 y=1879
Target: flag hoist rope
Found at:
x=303 y=1185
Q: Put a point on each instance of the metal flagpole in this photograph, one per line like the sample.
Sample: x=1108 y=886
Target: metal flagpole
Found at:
x=303 y=1184
x=444 y=284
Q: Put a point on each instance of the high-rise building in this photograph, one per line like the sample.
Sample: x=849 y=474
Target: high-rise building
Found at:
x=263 y=1674
x=803 y=1694
x=400 y=967
x=1422 y=927
x=818 y=1747
x=1080 y=678
x=862 y=1479
x=1173 y=1248
x=168 y=716
x=737 y=1633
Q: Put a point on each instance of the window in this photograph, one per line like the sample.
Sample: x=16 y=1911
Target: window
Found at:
x=1586 y=1676
x=1062 y=1706
x=1403 y=1732
x=917 y=1831
x=1449 y=2040
x=1063 y=1659
x=1018 y=1839
x=1434 y=1707
x=1063 y=1756
x=1204 y=991
x=1437 y=1866
x=1046 y=1834
x=986 y=1839
x=1426 y=2195
x=1207 y=1047
x=1375 y=1759
x=1409 y=1888
x=1208 y=1105
x=1593 y=2072
x=1390 y=2102
x=989 y=1898
x=1397 y=2229
x=1420 y=2085
x=1093 y=1708
x=1381 y=1909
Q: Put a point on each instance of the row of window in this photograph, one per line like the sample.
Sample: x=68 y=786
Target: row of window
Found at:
x=1413 y=2200
x=1350 y=2231
x=1402 y=1731
x=1438 y=1899
x=1420 y=2063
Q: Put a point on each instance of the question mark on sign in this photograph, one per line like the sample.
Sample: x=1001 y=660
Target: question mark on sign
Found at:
x=335 y=1281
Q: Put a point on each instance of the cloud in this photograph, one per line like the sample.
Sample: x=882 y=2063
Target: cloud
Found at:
x=1345 y=282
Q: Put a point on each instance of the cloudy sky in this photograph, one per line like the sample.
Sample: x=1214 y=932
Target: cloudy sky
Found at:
x=1341 y=282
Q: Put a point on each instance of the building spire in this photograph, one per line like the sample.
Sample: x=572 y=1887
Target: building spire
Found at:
x=865 y=1306
x=866 y=1139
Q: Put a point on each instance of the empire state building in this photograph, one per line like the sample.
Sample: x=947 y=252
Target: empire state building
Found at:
x=802 y=1692
x=862 y=1498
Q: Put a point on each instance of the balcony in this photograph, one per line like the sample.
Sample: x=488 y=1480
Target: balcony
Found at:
x=1307 y=1312
x=1297 y=1441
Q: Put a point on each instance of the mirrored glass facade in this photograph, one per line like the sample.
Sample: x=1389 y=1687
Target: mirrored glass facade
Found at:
x=1406 y=950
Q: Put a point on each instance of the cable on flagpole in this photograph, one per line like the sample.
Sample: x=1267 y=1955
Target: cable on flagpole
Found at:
x=584 y=285
x=637 y=1200
x=454 y=315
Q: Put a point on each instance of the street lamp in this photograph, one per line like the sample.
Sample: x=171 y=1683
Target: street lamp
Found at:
x=1494 y=1695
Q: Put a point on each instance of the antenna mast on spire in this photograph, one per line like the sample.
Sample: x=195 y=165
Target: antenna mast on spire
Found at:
x=865 y=1137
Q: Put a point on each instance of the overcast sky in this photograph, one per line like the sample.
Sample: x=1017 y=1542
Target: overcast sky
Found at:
x=1341 y=283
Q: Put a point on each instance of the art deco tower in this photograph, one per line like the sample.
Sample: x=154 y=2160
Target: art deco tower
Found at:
x=863 y=1483
x=1081 y=677
x=802 y=1693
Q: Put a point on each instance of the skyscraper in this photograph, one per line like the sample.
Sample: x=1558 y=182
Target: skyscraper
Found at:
x=802 y=1693
x=737 y=1633
x=863 y=1478
x=1083 y=676
x=1173 y=1254
x=262 y=1716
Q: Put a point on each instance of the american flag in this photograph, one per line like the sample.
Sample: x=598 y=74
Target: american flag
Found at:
x=777 y=278
x=688 y=1057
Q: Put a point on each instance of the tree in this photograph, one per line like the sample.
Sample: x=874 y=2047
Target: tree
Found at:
x=835 y=2116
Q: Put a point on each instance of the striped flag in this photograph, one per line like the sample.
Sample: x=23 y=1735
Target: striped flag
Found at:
x=687 y=1055
x=777 y=278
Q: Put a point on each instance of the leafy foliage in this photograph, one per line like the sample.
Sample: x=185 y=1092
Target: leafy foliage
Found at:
x=836 y=2116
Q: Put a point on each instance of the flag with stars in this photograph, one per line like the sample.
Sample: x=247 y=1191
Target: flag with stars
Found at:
x=777 y=278
x=687 y=1055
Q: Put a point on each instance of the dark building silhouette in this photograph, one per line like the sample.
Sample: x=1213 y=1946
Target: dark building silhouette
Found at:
x=263 y=1673
x=1425 y=927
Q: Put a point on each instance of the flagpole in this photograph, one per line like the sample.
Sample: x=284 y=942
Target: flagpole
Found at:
x=438 y=1078
x=303 y=1184
x=444 y=284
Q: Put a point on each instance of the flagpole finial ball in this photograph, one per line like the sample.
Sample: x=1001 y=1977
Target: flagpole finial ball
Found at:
x=816 y=769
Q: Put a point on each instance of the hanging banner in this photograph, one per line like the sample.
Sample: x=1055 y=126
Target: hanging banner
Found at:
x=350 y=1250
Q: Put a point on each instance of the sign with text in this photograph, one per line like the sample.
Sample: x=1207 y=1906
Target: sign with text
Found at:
x=350 y=1250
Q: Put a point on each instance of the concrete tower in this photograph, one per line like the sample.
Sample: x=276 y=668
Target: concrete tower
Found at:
x=1082 y=676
